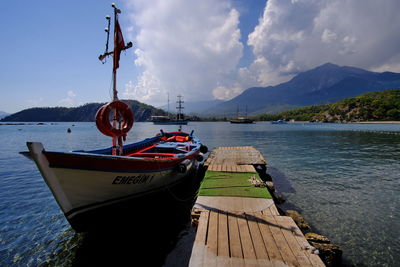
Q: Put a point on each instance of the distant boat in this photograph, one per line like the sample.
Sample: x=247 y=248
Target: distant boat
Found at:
x=243 y=120
x=166 y=120
x=279 y=122
x=94 y=186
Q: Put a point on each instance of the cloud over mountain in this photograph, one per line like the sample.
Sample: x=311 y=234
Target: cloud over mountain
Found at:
x=193 y=47
x=184 y=47
x=297 y=35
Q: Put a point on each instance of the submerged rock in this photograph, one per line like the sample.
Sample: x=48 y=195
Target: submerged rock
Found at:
x=278 y=198
x=270 y=186
x=313 y=237
x=330 y=254
x=298 y=219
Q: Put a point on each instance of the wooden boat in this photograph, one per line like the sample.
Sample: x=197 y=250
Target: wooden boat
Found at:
x=166 y=120
x=97 y=183
x=243 y=120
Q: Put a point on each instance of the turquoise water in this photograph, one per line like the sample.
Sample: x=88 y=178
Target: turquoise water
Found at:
x=344 y=178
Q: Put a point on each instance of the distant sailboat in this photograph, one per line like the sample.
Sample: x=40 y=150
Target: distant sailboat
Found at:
x=166 y=120
x=243 y=120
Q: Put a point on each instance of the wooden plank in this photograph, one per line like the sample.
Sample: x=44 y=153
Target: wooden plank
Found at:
x=201 y=235
x=223 y=242
x=228 y=168
x=210 y=255
x=288 y=233
x=271 y=210
x=212 y=234
x=284 y=249
x=219 y=167
x=258 y=243
x=269 y=241
x=235 y=245
x=199 y=247
x=245 y=238
x=302 y=241
x=224 y=168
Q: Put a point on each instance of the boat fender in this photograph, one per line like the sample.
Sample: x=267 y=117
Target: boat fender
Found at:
x=124 y=112
x=200 y=157
x=182 y=167
x=203 y=149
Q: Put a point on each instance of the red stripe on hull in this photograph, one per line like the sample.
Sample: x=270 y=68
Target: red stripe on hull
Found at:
x=111 y=163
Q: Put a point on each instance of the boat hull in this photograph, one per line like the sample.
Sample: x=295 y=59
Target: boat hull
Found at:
x=170 y=122
x=245 y=121
x=88 y=187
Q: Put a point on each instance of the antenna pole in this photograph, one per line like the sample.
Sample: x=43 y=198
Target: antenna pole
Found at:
x=115 y=146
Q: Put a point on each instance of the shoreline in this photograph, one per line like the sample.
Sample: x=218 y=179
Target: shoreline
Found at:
x=377 y=122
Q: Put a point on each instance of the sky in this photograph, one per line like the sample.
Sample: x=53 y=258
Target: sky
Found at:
x=203 y=50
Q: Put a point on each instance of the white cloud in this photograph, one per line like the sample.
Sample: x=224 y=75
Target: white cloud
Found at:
x=328 y=36
x=69 y=101
x=298 y=35
x=186 y=47
x=192 y=47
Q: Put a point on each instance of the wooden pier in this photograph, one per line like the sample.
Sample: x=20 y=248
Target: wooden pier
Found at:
x=239 y=224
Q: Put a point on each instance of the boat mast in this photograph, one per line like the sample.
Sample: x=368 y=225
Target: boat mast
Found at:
x=179 y=108
x=115 y=92
x=168 y=105
x=115 y=53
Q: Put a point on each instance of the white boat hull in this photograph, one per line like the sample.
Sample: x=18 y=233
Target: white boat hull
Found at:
x=79 y=191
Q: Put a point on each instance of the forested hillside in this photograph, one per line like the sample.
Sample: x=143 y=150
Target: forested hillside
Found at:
x=374 y=106
x=86 y=112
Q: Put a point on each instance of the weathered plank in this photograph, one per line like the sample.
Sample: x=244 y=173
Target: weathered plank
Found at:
x=288 y=233
x=258 y=243
x=235 y=244
x=198 y=251
x=223 y=243
x=212 y=234
x=269 y=241
x=302 y=242
x=286 y=252
x=245 y=238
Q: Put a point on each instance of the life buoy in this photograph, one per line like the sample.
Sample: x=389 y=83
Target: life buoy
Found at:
x=124 y=114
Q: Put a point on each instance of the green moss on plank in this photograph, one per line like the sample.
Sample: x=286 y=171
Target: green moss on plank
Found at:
x=231 y=184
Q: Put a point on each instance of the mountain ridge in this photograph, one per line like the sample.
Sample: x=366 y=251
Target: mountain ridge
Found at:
x=324 y=84
x=87 y=112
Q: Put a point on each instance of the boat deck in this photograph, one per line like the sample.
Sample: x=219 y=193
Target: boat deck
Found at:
x=239 y=226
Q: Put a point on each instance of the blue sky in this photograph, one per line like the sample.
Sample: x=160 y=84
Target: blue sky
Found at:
x=50 y=51
x=209 y=49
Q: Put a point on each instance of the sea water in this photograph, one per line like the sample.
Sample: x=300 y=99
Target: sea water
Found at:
x=344 y=179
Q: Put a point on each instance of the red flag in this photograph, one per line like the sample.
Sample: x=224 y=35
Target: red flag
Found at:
x=119 y=44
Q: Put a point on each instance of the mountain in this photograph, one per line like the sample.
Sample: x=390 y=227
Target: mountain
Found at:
x=195 y=107
x=372 y=106
x=142 y=112
x=3 y=114
x=325 y=84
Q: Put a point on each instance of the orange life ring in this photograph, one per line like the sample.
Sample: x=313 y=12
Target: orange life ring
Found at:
x=124 y=114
